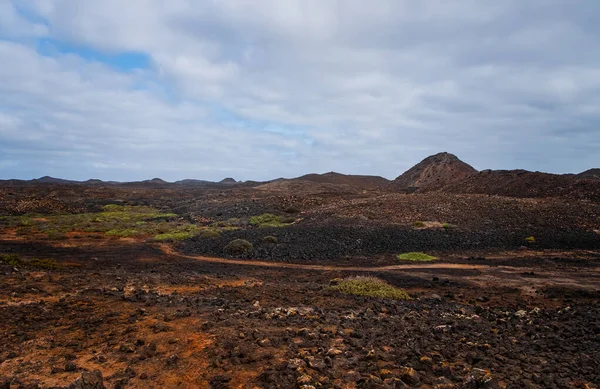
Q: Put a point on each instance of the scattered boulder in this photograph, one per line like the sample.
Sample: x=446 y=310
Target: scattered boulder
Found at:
x=88 y=380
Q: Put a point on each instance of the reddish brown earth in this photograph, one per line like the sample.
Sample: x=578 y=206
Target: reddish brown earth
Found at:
x=495 y=311
x=434 y=172
x=146 y=316
x=521 y=183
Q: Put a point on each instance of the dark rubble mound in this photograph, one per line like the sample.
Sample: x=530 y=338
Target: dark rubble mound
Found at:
x=334 y=243
x=523 y=183
x=590 y=174
x=355 y=181
x=434 y=172
x=305 y=188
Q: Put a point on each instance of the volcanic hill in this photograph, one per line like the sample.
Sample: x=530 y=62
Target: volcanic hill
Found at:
x=356 y=181
x=590 y=174
x=434 y=172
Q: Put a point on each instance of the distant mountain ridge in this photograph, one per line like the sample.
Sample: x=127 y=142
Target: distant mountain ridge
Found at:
x=442 y=172
x=357 y=181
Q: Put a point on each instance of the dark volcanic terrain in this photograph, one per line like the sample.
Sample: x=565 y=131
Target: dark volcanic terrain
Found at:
x=198 y=284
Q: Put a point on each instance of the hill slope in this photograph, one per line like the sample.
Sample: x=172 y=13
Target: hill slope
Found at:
x=591 y=174
x=355 y=181
x=523 y=183
x=434 y=172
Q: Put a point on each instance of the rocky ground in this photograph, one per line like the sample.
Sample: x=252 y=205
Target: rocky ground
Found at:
x=136 y=313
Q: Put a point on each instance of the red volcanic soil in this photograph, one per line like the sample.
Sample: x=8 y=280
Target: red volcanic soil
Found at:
x=355 y=181
x=591 y=174
x=522 y=183
x=433 y=172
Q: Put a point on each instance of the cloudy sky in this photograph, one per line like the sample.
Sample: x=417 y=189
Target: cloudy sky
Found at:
x=258 y=89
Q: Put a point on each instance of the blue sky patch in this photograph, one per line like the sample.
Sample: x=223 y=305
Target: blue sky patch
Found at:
x=126 y=61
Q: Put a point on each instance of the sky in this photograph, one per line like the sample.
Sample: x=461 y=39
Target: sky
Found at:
x=260 y=89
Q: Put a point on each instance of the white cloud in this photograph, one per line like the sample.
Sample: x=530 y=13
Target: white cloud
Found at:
x=365 y=88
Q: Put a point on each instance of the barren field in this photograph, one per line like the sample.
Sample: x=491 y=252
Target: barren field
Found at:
x=140 y=287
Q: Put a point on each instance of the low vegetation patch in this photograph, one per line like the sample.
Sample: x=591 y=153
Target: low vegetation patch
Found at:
x=209 y=233
x=56 y=235
x=416 y=256
x=418 y=224
x=40 y=263
x=126 y=233
x=114 y=220
x=173 y=236
x=530 y=239
x=233 y=223
x=446 y=226
x=10 y=259
x=43 y=263
x=238 y=247
x=270 y=220
x=371 y=287
x=270 y=239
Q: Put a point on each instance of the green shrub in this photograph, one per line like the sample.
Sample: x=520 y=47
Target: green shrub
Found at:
x=56 y=235
x=173 y=236
x=530 y=239
x=209 y=233
x=270 y=239
x=371 y=287
x=15 y=260
x=270 y=220
x=43 y=263
x=416 y=256
x=122 y=233
x=418 y=224
x=117 y=219
x=11 y=259
x=446 y=226
x=238 y=247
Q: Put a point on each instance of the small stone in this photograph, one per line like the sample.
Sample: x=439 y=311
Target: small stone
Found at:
x=296 y=363
x=436 y=297
x=352 y=376
x=264 y=342
x=304 y=379
x=385 y=373
x=521 y=313
x=143 y=376
x=334 y=352
x=126 y=348
x=409 y=375
x=172 y=360
x=479 y=378
x=88 y=380
x=316 y=363
x=70 y=366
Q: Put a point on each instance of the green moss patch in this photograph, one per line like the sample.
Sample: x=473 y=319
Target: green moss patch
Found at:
x=40 y=263
x=269 y=220
x=416 y=256
x=371 y=287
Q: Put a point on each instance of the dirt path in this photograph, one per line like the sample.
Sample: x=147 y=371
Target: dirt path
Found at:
x=485 y=274
x=168 y=250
